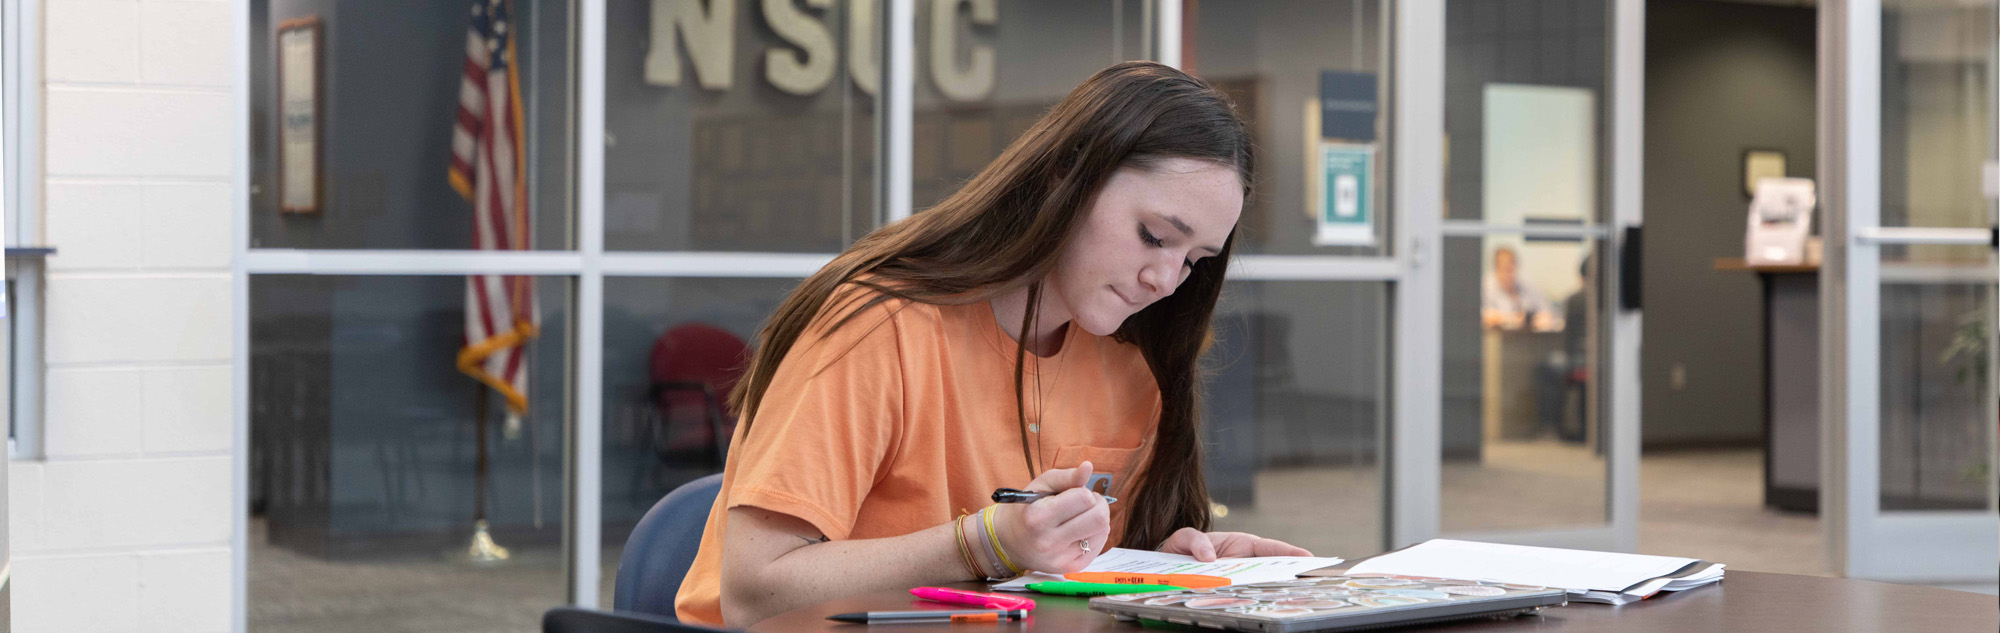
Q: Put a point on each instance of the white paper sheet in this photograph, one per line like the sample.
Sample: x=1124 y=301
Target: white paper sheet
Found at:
x=1239 y=570
x=1546 y=566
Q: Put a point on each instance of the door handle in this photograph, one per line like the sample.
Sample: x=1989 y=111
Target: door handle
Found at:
x=1629 y=271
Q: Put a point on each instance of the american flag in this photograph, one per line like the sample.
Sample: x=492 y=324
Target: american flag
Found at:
x=488 y=168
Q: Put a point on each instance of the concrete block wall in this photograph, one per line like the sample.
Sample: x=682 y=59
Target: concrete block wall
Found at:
x=124 y=522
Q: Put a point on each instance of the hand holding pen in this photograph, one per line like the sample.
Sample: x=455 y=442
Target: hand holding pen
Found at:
x=1055 y=524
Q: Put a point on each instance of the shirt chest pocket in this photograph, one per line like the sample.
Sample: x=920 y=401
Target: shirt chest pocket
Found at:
x=1120 y=464
x=1113 y=467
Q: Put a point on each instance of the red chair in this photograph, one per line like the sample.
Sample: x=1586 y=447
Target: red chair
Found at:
x=694 y=367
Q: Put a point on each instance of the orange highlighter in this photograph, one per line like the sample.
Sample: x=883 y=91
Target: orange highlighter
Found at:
x=1190 y=581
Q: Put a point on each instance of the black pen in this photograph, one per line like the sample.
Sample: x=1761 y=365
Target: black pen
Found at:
x=1010 y=495
x=954 y=617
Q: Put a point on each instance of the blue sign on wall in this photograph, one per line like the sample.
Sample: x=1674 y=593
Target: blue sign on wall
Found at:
x=1346 y=213
x=1347 y=105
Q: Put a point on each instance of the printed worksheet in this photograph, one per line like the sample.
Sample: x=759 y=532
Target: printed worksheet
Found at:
x=1547 y=566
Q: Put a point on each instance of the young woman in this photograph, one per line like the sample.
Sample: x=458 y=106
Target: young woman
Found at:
x=1040 y=326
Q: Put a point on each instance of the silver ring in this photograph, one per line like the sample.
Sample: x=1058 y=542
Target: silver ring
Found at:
x=1085 y=544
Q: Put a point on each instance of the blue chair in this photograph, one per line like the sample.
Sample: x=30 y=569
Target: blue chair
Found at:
x=662 y=548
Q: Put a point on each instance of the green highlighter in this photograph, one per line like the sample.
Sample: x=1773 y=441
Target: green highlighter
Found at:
x=1094 y=588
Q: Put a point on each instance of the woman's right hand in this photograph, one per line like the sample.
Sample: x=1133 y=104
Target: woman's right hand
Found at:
x=1058 y=534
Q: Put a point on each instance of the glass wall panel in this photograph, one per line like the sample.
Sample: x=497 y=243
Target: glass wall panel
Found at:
x=986 y=70
x=1937 y=302
x=729 y=127
x=366 y=449
x=1937 y=112
x=1296 y=405
x=1525 y=110
x=673 y=348
x=1526 y=103
x=1294 y=409
x=1937 y=392
x=1310 y=77
x=387 y=118
x=1523 y=432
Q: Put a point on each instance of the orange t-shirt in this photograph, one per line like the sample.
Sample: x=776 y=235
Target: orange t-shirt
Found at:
x=905 y=418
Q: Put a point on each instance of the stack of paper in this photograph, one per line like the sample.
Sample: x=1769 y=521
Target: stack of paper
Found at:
x=1699 y=573
x=1238 y=570
x=1588 y=576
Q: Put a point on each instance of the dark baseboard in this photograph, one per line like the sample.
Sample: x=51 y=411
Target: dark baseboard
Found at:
x=318 y=543
x=1692 y=445
x=1805 y=500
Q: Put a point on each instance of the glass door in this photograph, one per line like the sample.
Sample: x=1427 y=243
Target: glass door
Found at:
x=1535 y=442
x=1911 y=407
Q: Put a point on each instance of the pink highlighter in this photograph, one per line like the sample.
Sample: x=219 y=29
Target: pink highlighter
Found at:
x=973 y=598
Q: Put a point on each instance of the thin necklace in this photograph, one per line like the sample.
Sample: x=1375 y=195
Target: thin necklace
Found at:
x=1041 y=404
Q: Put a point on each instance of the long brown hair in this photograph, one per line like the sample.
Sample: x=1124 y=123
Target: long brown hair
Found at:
x=1005 y=229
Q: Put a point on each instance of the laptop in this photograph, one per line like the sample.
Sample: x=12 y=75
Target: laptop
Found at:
x=1333 y=603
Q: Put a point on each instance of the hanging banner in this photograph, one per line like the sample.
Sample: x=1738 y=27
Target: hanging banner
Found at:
x=1348 y=108
x=1345 y=210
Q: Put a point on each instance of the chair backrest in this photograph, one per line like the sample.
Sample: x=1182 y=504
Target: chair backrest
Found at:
x=701 y=354
x=662 y=547
x=574 y=620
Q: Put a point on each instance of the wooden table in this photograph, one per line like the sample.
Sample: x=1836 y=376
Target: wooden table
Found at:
x=1745 y=601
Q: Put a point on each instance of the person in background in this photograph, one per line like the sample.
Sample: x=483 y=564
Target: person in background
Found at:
x=1508 y=303
x=1563 y=379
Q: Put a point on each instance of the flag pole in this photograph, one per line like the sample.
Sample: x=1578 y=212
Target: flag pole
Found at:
x=482 y=549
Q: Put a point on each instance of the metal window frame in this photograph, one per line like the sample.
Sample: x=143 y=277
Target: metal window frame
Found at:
x=1415 y=436
x=239 y=364
x=590 y=264
x=9 y=92
x=1628 y=153
x=21 y=73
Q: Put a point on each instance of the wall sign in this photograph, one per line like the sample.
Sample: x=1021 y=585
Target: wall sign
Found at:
x=299 y=186
x=1345 y=212
x=1341 y=158
x=803 y=62
x=1347 y=105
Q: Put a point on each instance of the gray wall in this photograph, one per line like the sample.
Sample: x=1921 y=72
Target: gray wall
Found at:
x=1720 y=78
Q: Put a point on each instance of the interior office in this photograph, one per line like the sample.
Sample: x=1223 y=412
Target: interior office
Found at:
x=719 y=188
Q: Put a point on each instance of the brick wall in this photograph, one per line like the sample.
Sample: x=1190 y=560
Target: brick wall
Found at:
x=124 y=524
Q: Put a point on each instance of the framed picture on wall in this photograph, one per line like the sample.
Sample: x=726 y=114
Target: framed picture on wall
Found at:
x=299 y=187
x=1759 y=164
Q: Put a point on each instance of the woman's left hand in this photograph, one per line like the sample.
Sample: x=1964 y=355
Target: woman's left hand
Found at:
x=1208 y=546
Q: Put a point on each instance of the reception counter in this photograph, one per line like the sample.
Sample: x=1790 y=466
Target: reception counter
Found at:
x=1791 y=382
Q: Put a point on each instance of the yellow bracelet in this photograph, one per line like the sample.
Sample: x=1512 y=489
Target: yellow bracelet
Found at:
x=995 y=536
